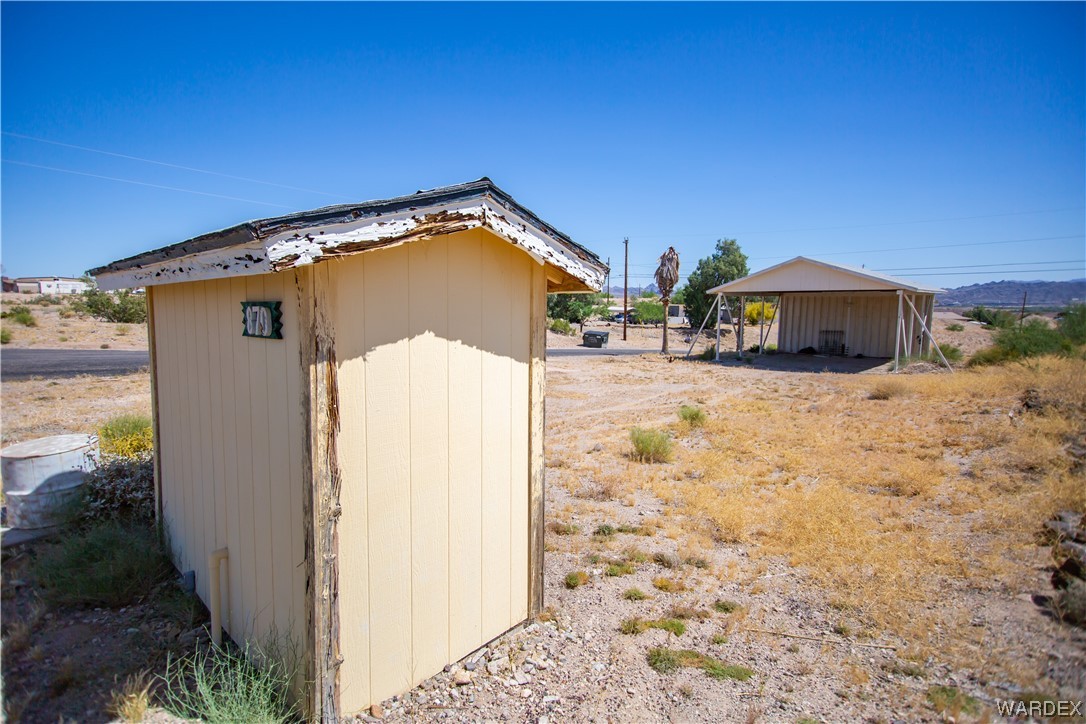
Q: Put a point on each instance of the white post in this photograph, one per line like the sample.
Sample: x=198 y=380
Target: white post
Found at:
x=761 y=327
x=931 y=337
x=742 y=324
x=897 y=333
x=702 y=327
x=718 y=297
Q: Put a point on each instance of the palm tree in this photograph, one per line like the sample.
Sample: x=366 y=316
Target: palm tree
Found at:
x=667 y=276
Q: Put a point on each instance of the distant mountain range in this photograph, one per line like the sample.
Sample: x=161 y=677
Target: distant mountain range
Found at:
x=1009 y=294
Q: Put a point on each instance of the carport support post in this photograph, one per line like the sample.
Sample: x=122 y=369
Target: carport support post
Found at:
x=897 y=333
x=718 y=298
x=742 y=321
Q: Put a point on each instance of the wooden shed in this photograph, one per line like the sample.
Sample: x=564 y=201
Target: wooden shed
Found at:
x=349 y=401
x=835 y=309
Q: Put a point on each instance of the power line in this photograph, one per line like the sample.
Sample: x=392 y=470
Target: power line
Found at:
x=981 y=266
x=999 y=271
x=144 y=183
x=935 y=246
x=861 y=226
x=167 y=164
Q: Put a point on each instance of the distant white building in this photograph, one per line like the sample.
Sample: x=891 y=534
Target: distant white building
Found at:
x=51 y=285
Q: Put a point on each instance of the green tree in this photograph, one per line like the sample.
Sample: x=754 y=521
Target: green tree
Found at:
x=726 y=264
x=649 y=311
x=575 y=308
x=123 y=307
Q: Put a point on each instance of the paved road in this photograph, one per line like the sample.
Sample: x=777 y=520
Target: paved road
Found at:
x=586 y=351
x=19 y=364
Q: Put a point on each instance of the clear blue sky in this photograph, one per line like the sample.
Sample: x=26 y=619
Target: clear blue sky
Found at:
x=840 y=131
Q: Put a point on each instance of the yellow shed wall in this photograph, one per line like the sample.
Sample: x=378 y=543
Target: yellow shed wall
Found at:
x=432 y=342
x=231 y=437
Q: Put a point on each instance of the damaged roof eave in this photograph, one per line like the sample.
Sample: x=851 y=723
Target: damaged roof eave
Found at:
x=283 y=243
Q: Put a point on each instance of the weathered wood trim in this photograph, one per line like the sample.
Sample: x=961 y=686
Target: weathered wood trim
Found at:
x=155 y=430
x=321 y=497
x=536 y=466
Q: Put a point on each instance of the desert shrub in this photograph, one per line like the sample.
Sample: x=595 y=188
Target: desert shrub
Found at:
x=5 y=336
x=576 y=579
x=649 y=311
x=564 y=528
x=708 y=354
x=1071 y=603
x=650 y=446
x=227 y=685
x=887 y=389
x=769 y=348
x=21 y=314
x=634 y=594
x=723 y=606
x=693 y=416
x=619 y=569
x=1032 y=339
x=757 y=312
x=953 y=353
x=667 y=585
x=1072 y=324
x=124 y=306
x=112 y=563
x=955 y=327
x=952 y=701
x=561 y=326
x=66 y=313
x=120 y=488
x=127 y=436
x=605 y=531
x=993 y=317
x=668 y=660
x=637 y=625
x=130 y=704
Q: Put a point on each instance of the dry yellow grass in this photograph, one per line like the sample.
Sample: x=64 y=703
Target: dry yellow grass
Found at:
x=885 y=499
x=130 y=704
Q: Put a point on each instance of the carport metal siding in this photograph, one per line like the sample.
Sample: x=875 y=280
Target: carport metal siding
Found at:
x=869 y=325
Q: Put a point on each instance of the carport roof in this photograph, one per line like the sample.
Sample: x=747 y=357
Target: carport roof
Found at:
x=803 y=274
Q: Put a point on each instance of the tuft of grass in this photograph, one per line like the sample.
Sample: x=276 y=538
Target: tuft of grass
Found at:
x=719 y=639
x=5 y=336
x=666 y=661
x=631 y=529
x=21 y=314
x=635 y=555
x=650 y=446
x=952 y=352
x=952 y=701
x=722 y=606
x=17 y=637
x=130 y=704
x=605 y=531
x=638 y=625
x=692 y=416
x=67 y=674
x=111 y=564
x=955 y=327
x=842 y=629
x=103 y=346
x=576 y=579
x=564 y=528
x=687 y=612
x=121 y=330
x=634 y=594
x=127 y=436
x=667 y=560
x=887 y=389
x=667 y=585
x=220 y=685
x=619 y=569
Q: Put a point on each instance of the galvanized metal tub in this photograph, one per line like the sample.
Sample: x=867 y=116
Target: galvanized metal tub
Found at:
x=43 y=479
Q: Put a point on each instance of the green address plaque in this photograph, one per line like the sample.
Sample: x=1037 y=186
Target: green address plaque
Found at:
x=262 y=319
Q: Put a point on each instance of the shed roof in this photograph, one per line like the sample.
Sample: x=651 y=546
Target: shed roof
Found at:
x=285 y=242
x=803 y=274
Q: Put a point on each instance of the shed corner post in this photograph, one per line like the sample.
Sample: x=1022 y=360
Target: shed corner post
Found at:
x=897 y=331
x=536 y=466
x=321 y=494
x=155 y=410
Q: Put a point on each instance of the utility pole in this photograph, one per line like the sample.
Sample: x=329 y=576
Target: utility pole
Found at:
x=1022 y=314
x=608 y=290
x=625 y=287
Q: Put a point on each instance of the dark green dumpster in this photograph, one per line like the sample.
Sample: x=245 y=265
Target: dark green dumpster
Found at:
x=595 y=339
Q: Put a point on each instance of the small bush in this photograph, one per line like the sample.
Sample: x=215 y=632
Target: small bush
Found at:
x=221 y=685
x=66 y=313
x=668 y=660
x=130 y=704
x=634 y=594
x=1072 y=324
x=722 y=606
x=111 y=564
x=1032 y=339
x=561 y=326
x=953 y=353
x=693 y=416
x=605 y=531
x=127 y=436
x=949 y=700
x=667 y=585
x=619 y=569
x=719 y=670
x=122 y=330
x=757 y=312
x=120 y=488
x=1071 y=603
x=955 y=327
x=886 y=389
x=564 y=528
x=576 y=579
x=667 y=560
x=687 y=612
x=124 y=307
x=5 y=336
x=719 y=639
x=21 y=314
x=650 y=446
x=999 y=318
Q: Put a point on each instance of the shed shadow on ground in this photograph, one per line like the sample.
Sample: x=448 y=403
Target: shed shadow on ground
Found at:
x=784 y=362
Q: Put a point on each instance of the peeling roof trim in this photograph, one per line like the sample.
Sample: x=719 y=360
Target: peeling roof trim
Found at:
x=889 y=283
x=287 y=242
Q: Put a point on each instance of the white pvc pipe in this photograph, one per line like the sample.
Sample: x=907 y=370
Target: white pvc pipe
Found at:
x=214 y=562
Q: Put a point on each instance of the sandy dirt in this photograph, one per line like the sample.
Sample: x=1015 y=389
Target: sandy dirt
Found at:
x=57 y=326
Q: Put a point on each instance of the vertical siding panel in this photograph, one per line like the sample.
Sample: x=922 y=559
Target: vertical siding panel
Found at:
x=495 y=311
x=243 y=422
x=465 y=449
x=429 y=398
x=353 y=525
x=211 y=423
x=259 y=386
x=279 y=460
x=519 y=327
x=166 y=338
x=227 y=325
x=388 y=433
x=193 y=505
x=296 y=432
